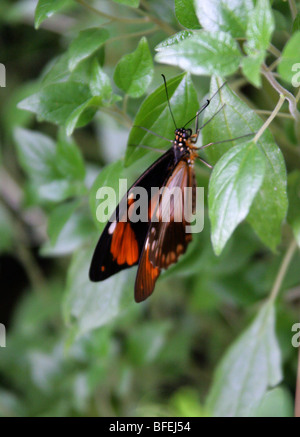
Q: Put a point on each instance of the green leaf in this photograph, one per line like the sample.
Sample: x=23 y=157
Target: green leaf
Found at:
x=46 y=8
x=13 y=117
x=154 y=114
x=57 y=70
x=83 y=114
x=250 y=366
x=289 y=66
x=69 y=158
x=233 y=185
x=58 y=219
x=296 y=23
x=89 y=305
x=277 y=402
x=11 y=404
x=224 y=15
x=37 y=155
x=134 y=72
x=203 y=54
x=251 y=68
x=185 y=402
x=269 y=207
x=185 y=14
x=259 y=32
x=108 y=177
x=270 y=204
x=174 y=39
x=6 y=230
x=67 y=104
x=57 y=171
x=294 y=203
x=146 y=343
x=86 y=43
x=131 y=3
x=260 y=27
x=73 y=228
x=60 y=189
x=99 y=82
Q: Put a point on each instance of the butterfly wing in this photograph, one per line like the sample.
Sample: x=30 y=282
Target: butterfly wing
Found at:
x=166 y=240
x=121 y=242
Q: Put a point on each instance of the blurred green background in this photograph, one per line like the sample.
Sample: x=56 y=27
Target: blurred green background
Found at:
x=78 y=349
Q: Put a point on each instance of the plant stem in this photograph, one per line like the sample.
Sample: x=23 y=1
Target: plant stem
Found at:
x=132 y=35
x=33 y=270
x=293 y=9
x=281 y=90
x=111 y=17
x=162 y=24
x=11 y=197
x=279 y=114
x=274 y=64
x=274 y=50
x=147 y=18
x=145 y=5
x=124 y=115
x=270 y=119
x=125 y=102
x=118 y=115
x=283 y=270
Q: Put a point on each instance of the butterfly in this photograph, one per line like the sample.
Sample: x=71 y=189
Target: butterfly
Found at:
x=155 y=244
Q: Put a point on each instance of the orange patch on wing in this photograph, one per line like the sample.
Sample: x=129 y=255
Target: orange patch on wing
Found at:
x=124 y=246
x=146 y=277
x=130 y=201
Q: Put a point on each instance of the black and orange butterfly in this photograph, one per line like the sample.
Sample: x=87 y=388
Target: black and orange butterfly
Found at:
x=153 y=245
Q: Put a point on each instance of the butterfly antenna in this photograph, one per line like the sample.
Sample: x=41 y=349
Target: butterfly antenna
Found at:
x=205 y=104
x=218 y=90
x=212 y=117
x=198 y=112
x=165 y=82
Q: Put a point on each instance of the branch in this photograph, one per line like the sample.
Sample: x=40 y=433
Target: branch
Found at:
x=270 y=119
x=283 y=270
x=12 y=198
x=281 y=90
x=111 y=17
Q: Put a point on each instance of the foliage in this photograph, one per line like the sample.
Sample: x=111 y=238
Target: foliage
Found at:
x=215 y=338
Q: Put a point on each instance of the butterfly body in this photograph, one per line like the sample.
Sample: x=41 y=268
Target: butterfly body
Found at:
x=154 y=244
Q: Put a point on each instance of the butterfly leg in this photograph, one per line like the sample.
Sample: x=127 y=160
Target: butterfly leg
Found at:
x=205 y=162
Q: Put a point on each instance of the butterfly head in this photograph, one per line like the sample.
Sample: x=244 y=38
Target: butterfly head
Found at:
x=181 y=135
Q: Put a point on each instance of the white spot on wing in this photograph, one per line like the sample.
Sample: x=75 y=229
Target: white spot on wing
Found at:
x=112 y=228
